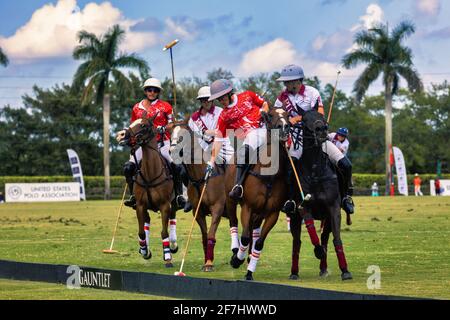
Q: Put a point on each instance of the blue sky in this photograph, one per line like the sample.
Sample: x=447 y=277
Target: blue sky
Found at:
x=246 y=37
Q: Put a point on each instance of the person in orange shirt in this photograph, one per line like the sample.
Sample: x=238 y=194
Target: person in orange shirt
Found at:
x=417 y=183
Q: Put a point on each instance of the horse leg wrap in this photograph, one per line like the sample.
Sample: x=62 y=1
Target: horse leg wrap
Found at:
x=234 y=238
x=255 y=237
x=312 y=231
x=166 y=249
x=142 y=242
x=173 y=230
x=210 y=249
x=147 y=233
x=340 y=255
x=254 y=258
x=245 y=241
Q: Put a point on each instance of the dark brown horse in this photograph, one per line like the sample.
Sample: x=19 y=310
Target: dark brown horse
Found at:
x=318 y=178
x=153 y=190
x=264 y=194
x=183 y=139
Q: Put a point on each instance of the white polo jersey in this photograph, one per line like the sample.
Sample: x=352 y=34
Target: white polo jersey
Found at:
x=306 y=99
x=200 y=123
x=343 y=146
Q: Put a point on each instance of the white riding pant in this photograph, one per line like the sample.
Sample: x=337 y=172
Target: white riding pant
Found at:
x=164 y=152
x=256 y=138
x=328 y=147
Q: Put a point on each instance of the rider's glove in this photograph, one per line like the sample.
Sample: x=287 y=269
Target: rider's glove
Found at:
x=161 y=129
x=209 y=168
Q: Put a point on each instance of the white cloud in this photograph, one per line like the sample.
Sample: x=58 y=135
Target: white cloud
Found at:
x=429 y=8
x=374 y=14
x=276 y=54
x=52 y=30
x=184 y=28
x=268 y=57
x=332 y=47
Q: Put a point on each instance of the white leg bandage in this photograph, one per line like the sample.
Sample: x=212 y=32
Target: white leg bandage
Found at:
x=234 y=238
x=147 y=233
x=242 y=252
x=255 y=236
x=173 y=230
x=254 y=258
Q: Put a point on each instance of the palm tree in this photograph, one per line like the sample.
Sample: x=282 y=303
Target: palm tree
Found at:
x=3 y=58
x=102 y=62
x=384 y=53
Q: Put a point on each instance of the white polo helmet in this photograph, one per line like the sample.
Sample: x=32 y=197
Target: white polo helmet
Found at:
x=291 y=72
x=152 y=82
x=204 y=92
x=220 y=88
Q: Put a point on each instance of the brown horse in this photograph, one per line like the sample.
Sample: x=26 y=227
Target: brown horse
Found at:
x=264 y=194
x=153 y=190
x=213 y=202
x=318 y=178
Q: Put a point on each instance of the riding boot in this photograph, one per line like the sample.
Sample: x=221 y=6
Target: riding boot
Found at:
x=345 y=166
x=290 y=205
x=129 y=170
x=178 y=186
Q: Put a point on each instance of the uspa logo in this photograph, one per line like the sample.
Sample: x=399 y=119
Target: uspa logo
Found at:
x=14 y=192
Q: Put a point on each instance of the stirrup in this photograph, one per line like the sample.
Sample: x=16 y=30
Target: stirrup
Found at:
x=237 y=192
x=348 y=205
x=289 y=207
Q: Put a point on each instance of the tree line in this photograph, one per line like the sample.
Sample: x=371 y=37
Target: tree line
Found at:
x=84 y=114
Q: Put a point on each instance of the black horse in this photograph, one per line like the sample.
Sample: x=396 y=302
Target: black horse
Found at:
x=318 y=178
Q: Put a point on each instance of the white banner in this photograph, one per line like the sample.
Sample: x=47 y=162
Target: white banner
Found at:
x=445 y=187
x=75 y=165
x=42 y=192
x=401 y=171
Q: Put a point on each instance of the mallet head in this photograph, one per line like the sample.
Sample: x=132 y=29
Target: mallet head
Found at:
x=170 y=45
x=179 y=273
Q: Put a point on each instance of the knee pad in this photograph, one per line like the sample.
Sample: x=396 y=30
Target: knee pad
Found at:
x=129 y=169
x=245 y=241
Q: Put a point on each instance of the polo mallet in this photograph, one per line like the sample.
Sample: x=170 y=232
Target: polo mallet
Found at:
x=349 y=219
x=110 y=250
x=170 y=46
x=308 y=196
x=332 y=97
x=181 y=273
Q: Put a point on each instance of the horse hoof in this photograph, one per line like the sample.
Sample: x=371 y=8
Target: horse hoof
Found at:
x=169 y=265
x=146 y=255
x=208 y=268
x=249 y=276
x=323 y=273
x=294 y=277
x=235 y=262
x=346 y=276
x=174 y=250
x=319 y=252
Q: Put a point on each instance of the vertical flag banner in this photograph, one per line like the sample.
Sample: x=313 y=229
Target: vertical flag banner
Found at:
x=75 y=165
x=400 y=168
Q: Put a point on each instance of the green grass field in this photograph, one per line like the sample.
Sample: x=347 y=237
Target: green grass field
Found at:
x=407 y=237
